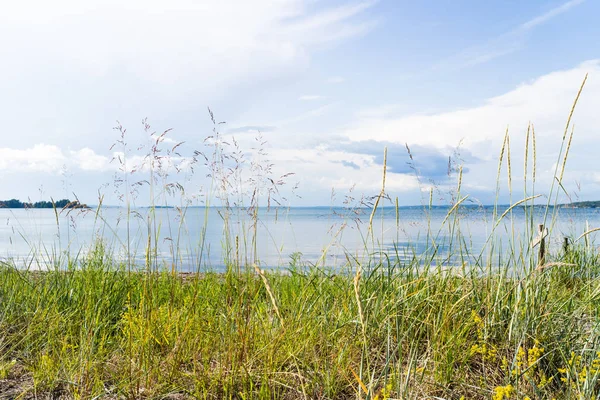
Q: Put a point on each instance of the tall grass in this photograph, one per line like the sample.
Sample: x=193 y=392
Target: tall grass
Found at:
x=493 y=324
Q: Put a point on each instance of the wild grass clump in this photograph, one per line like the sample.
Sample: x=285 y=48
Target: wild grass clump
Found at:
x=473 y=323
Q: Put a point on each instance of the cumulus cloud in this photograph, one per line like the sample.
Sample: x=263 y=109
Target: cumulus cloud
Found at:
x=471 y=137
x=87 y=160
x=545 y=102
x=319 y=170
x=51 y=159
x=41 y=157
x=426 y=161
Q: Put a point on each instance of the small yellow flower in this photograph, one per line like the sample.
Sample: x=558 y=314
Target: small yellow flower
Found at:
x=520 y=356
x=534 y=353
x=503 y=392
x=384 y=393
x=504 y=363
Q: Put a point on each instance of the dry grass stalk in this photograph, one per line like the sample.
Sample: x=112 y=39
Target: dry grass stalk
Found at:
x=534 y=153
x=501 y=158
x=454 y=207
x=509 y=171
x=261 y=273
x=509 y=209
x=382 y=193
x=356 y=282
x=587 y=232
x=526 y=158
x=564 y=163
x=555 y=264
x=573 y=107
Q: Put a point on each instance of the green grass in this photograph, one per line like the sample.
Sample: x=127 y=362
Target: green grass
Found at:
x=98 y=331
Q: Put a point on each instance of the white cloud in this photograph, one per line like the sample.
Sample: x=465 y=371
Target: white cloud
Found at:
x=318 y=26
x=545 y=102
x=41 y=157
x=173 y=44
x=323 y=169
x=51 y=159
x=71 y=67
x=163 y=139
x=87 y=160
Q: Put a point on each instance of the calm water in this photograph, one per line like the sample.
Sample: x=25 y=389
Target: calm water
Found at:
x=321 y=235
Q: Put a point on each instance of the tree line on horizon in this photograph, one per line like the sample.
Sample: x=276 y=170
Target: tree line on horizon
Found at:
x=14 y=203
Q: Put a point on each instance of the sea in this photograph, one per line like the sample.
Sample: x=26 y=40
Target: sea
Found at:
x=211 y=239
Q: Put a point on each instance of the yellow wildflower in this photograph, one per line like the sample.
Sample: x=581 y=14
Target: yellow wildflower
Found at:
x=384 y=393
x=503 y=392
x=534 y=353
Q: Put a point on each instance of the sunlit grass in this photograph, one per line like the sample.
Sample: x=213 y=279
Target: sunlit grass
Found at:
x=98 y=330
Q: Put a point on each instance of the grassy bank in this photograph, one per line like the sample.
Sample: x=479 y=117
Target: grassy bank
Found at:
x=97 y=331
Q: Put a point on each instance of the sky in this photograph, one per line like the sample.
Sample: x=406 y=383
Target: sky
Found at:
x=311 y=92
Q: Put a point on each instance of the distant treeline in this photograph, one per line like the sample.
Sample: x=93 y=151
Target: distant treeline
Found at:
x=582 y=204
x=64 y=203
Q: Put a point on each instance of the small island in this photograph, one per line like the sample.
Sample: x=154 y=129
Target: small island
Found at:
x=62 y=204
x=583 y=204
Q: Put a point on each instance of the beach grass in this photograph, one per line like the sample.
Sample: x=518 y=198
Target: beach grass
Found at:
x=98 y=331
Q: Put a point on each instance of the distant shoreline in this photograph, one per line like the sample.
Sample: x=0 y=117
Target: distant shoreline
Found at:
x=14 y=204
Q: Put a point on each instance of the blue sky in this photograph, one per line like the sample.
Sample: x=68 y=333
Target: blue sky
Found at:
x=328 y=83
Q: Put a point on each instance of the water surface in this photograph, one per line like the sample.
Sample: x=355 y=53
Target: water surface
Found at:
x=195 y=238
